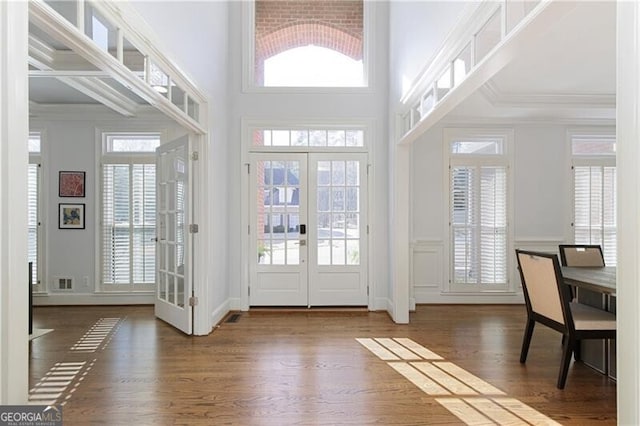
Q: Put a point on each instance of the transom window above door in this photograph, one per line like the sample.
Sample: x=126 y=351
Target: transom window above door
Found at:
x=332 y=138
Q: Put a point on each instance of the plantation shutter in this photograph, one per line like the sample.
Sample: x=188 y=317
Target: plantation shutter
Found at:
x=595 y=207
x=33 y=179
x=128 y=223
x=144 y=222
x=479 y=224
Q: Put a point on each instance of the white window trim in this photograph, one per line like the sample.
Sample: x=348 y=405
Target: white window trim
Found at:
x=37 y=158
x=248 y=127
x=248 y=56
x=117 y=158
x=506 y=159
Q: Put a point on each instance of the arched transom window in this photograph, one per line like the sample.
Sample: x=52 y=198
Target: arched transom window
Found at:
x=317 y=43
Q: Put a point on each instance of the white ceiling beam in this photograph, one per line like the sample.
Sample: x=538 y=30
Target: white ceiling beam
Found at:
x=67 y=73
x=103 y=93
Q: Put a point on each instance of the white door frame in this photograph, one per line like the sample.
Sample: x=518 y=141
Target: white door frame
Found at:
x=369 y=126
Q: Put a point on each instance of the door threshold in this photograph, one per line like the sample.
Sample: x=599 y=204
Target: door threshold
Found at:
x=306 y=309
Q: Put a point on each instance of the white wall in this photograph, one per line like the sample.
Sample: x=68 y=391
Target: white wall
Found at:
x=195 y=34
x=417 y=30
x=541 y=206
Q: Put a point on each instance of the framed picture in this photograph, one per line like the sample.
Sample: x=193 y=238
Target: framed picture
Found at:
x=71 y=184
x=71 y=216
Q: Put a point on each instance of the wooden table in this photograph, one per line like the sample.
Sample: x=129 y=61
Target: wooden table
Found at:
x=602 y=280
x=596 y=287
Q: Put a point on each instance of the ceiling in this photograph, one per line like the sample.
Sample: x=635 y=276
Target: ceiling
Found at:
x=570 y=74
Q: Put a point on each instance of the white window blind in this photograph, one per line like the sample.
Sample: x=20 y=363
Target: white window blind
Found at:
x=33 y=179
x=128 y=226
x=595 y=208
x=594 y=183
x=479 y=224
x=129 y=223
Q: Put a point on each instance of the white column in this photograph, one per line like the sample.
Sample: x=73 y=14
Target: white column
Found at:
x=628 y=161
x=14 y=133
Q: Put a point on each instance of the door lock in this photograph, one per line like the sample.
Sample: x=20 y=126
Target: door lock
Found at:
x=303 y=242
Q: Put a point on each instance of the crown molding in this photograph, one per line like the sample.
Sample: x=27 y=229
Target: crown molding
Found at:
x=527 y=121
x=500 y=99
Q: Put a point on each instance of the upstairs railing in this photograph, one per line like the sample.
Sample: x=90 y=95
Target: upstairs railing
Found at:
x=101 y=33
x=478 y=33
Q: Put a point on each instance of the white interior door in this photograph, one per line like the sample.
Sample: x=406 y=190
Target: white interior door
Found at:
x=308 y=230
x=173 y=265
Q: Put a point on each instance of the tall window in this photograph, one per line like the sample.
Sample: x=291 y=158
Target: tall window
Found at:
x=34 y=177
x=478 y=212
x=308 y=43
x=594 y=183
x=128 y=211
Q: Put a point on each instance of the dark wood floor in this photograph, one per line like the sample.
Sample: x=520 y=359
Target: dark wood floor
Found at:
x=285 y=368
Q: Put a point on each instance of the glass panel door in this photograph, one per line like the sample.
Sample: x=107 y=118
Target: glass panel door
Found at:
x=173 y=254
x=278 y=266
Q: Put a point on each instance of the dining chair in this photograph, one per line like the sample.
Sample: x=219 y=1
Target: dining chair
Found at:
x=581 y=255
x=548 y=302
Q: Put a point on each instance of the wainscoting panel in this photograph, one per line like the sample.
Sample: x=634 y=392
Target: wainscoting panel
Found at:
x=427 y=270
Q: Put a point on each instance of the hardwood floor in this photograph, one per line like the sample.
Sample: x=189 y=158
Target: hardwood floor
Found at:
x=276 y=367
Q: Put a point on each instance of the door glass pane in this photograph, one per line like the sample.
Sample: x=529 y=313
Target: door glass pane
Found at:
x=171 y=290
x=162 y=286
x=337 y=255
x=353 y=252
x=338 y=231
x=278 y=206
x=180 y=288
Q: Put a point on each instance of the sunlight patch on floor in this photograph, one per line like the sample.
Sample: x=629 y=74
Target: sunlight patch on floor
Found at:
x=96 y=336
x=438 y=377
x=55 y=383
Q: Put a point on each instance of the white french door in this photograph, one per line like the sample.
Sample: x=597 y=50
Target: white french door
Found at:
x=173 y=264
x=308 y=229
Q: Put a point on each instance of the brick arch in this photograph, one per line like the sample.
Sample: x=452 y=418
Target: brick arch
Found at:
x=315 y=33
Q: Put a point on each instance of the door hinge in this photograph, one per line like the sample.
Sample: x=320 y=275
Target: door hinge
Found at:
x=193 y=228
x=193 y=301
x=195 y=156
x=367 y=290
x=367 y=229
x=249 y=291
